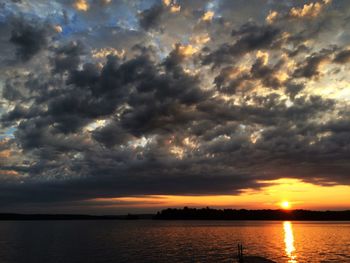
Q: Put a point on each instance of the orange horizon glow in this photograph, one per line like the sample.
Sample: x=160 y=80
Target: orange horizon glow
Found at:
x=304 y=196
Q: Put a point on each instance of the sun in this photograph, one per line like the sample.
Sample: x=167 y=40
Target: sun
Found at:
x=285 y=205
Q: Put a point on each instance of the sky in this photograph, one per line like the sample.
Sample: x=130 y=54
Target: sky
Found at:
x=115 y=106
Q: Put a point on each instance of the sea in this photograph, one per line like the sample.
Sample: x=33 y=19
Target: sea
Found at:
x=132 y=241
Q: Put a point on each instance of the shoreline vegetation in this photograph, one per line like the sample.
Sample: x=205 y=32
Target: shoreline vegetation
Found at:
x=198 y=214
x=244 y=214
x=19 y=217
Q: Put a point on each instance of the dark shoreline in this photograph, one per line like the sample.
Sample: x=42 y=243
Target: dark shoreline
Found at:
x=197 y=214
x=48 y=217
x=243 y=214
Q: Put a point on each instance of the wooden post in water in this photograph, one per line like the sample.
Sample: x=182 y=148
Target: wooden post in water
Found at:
x=240 y=253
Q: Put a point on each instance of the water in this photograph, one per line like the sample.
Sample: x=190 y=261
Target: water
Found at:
x=171 y=241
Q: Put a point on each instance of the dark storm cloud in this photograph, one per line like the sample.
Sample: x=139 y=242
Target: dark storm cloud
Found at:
x=67 y=57
x=233 y=79
x=310 y=68
x=194 y=108
x=342 y=57
x=292 y=89
x=156 y=99
x=298 y=50
x=270 y=110
x=250 y=37
x=226 y=84
x=111 y=134
x=267 y=74
x=130 y=184
x=151 y=18
x=19 y=113
x=30 y=37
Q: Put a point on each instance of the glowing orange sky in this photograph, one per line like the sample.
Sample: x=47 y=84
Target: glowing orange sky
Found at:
x=300 y=195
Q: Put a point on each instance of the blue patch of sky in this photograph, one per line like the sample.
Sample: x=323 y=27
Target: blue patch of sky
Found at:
x=213 y=6
x=129 y=21
x=6 y=12
x=75 y=24
x=31 y=9
x=125 y=16
x=53 y=14
x=146 y=4
x=7 y=133
x=160 y=48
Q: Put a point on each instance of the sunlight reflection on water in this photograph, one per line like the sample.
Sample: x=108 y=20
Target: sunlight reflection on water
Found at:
x=157 y=241
x=289 y=242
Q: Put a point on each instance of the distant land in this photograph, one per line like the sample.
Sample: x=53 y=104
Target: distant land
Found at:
x=198 y=214
x=243 y=214
x=11 y=216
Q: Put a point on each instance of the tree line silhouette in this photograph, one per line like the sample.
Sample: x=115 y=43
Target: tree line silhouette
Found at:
x=244 y=214
x=197 y=214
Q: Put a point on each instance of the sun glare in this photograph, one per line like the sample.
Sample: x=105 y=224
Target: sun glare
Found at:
x=289 y=241
x=285 y=205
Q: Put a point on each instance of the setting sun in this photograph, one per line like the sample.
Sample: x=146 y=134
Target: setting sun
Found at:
x=285 y=205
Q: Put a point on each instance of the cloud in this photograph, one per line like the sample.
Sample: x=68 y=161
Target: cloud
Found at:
x=29 y=37
x=249 y=37
x=308 y=10
x=151 y=18
x=68 y=56
x=81 y=5
x=273 y=15
x=310 y=68
x=133 y=98
x=342 y=57
x=208 y=16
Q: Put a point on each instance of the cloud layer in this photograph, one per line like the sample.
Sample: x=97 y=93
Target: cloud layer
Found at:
x=124 y=98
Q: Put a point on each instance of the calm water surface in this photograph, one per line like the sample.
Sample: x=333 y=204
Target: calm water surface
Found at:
x=171 y=241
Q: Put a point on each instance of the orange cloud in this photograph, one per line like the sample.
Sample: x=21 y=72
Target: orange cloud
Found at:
x=175 y=8
x=208 y=16
x=104 y=52
x=308 y=10
x=264 y=56
x=58 y=28
x=5 y=154
x=272 y=16
x=200 y=39
x=9 y=172
x=167 y=2
x=187 y=50
x=81 y=5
